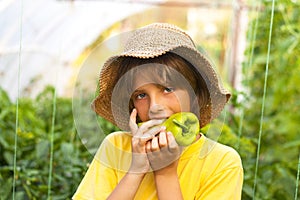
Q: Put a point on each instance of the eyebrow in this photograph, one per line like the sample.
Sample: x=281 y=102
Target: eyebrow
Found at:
x=138 y=91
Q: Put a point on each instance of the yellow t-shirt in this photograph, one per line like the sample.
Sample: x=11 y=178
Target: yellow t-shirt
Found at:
x=207 y=170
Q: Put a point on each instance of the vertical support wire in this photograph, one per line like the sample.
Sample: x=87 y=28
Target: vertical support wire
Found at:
x=51 y=158
x=263 y=99
x=297 y=179
x=51 y=145
x=253 y=33
x=17 y=104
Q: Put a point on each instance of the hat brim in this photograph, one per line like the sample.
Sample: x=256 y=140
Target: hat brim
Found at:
x=119 y=115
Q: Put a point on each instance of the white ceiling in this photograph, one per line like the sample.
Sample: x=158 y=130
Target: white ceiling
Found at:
x=39 y=39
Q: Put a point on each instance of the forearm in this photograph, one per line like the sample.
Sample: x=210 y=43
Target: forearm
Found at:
x=127 y=187
x=168 y=186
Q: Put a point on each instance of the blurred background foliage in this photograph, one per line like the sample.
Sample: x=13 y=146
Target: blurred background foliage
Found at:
x=279 y=152
x=280 y=139
x=70 y=158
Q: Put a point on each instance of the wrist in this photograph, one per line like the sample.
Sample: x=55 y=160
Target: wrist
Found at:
x=138 y=171
x=134 y=178
x=166 y=172
x=169 y=170
x=167 y=185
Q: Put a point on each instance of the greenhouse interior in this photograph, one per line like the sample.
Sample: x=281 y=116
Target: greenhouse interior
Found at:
x=51 y=54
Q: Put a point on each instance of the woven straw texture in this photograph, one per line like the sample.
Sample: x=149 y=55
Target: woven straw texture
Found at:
x=148 y=42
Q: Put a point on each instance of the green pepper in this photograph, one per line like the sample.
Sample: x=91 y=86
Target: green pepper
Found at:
x=184 y=126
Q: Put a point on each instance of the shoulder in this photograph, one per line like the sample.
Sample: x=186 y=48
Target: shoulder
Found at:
x=225 y=156
x=226 y=151
x=117 y=140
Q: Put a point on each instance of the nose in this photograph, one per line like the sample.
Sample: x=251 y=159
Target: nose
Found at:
x=157 y=108
x=156 y=105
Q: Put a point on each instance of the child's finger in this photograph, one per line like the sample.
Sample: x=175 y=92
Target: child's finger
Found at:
x=154 y=144
x=152 y=130
x=150 y=127
x=146 y=134
x=171 y=142
x=148 y=147
x=163 y=142
x=132 y=122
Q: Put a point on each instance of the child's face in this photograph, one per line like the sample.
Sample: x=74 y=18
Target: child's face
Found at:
x=154 y=101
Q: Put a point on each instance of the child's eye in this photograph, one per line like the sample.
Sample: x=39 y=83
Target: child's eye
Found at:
x=169 y=89
x=140 y=96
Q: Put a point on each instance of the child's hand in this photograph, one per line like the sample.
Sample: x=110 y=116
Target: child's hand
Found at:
x=163 y=152
x=141 y=135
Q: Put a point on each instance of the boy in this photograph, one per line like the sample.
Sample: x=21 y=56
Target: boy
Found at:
x=160 y=73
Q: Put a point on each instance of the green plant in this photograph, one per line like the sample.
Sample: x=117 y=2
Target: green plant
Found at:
x=279 y=152
x=34 y=133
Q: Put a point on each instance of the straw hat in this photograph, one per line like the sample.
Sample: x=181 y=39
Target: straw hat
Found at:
x=152 y=41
